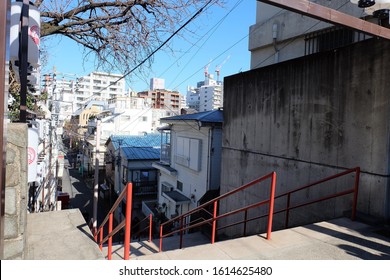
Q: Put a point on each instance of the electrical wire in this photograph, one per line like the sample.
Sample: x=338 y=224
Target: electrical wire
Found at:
x=210 y=33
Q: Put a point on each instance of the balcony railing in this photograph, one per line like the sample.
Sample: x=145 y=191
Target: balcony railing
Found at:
x=145 y=188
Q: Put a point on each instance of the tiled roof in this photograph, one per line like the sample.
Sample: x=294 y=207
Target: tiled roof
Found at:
x=141 y=153
x=214 y=116
x=148 y=140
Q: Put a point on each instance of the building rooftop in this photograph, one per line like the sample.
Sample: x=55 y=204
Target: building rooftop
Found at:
x=141 y=153
x=148 y=140
x=214 y=116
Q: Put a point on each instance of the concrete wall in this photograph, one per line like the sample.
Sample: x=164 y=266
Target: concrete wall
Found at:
x=290 y=31
x=16 y=192
x=309 y=118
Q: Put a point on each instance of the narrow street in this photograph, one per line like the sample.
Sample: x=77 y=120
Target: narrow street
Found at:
x=80 y=194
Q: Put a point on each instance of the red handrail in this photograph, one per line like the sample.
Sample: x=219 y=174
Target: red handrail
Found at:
x=215 y=217
x=353 y=190
x=126 y=193
x=149 y=227
x=126 y=223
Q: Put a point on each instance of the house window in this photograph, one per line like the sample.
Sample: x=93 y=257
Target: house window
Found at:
x=188 y=152
x=179 y=186
x=165 y=155
x=144 y=119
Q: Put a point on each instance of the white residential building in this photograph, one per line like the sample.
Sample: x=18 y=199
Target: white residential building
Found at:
x=207 y=96
x=190 y=161
x=60 y=89
x=98 y=86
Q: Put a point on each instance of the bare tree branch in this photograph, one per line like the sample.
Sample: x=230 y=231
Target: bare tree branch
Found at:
x=119 y=32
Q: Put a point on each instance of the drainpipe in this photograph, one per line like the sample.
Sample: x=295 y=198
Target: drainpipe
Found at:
x=274 y=38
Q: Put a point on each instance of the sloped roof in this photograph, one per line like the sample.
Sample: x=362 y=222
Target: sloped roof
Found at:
x=141 y=153
x=148 y=140
x=214 y=116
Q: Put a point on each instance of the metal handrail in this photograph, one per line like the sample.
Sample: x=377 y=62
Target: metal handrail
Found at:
x=353 y=190
x=126 y=223
x=213 y=220
x=149 y=227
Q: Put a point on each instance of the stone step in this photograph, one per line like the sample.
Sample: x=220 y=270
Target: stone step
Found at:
x=144 y=247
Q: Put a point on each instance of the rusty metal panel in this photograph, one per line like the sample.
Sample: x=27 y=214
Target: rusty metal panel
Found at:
x=320 y=12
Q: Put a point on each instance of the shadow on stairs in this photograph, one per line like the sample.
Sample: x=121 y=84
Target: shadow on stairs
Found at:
x=144 y=247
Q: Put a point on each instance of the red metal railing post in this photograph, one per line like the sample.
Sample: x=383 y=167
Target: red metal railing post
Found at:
x=150 y=227
x=101 y=239
x=161 y=237
x=287 y=210
x=129 y=199
x=214 y=222
x=110 y=222
x=355 y=193
x=271 y=206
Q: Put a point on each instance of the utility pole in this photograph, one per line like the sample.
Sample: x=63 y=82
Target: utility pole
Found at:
x=96 y=187
x=24 y=61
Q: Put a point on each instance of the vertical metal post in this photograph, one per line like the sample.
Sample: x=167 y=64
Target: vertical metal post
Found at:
x=4 y=58
x=150 y=227
x=271 y=206
x=355 y=193
x=287 y=210
x=110 y=223
x=214 y=222
x=101 y=238
x=161 y=237
x=129 y=200
x=96 y=186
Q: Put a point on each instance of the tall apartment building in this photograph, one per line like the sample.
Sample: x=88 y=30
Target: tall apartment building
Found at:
x=60 y=89
x=71 y=93
x=163 y=99
x=98 y=86
x=207 y=96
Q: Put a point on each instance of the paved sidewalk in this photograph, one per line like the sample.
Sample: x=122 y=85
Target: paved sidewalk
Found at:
x=60 y=235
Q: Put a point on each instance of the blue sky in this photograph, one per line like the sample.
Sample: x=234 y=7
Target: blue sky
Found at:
x=224 y=40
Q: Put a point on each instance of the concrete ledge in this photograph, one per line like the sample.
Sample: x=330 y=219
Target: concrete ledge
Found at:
x=60 y=235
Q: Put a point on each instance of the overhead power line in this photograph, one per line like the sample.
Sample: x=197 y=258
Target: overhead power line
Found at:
x=166 y=41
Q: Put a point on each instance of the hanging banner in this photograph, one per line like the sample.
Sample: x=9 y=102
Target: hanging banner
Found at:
x=34 y=27
x=32 y=154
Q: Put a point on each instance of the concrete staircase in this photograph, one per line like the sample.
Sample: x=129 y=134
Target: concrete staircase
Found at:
x=145 y=248
x=339 y=239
